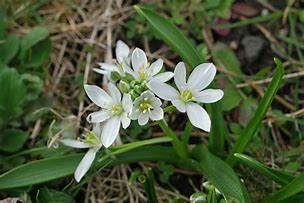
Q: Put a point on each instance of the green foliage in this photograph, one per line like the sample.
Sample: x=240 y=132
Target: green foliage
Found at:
x=19 y=89
x=9 y=48
x=256 y=120
x=280 y=177
x=294 y=187
x=52 y=196
x=12 y=140
x=171 y=35
x=12 y=95
x=220 y=174
x=167 y=171
x=48 y=169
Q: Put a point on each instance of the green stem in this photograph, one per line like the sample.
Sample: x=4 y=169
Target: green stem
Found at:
x=177 y=144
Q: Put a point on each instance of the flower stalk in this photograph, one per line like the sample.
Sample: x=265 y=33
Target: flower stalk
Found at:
x=177 y=144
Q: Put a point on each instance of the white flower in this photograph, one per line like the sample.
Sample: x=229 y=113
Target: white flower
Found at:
x=123 y=61
x=114 y=111
x=143 y=71
x=190 y=93
x=147 y=106
x=92 y=141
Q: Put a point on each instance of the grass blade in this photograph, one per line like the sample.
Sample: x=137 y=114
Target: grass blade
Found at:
x=45 y=170
x=256 y=120
x=220 y=174
x=280 y=177
x=170 y=34
x=287 y=191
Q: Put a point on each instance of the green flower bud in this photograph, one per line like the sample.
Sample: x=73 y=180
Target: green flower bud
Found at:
x=115 y=76
x=198 y=197
x=123 y=86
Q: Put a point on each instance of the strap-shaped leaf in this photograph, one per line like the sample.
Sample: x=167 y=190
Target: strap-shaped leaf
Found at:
x=221 y=175
x=45 y=170
x=280 y=177
x=294 y=187
x=257 y=119
x=170 y=34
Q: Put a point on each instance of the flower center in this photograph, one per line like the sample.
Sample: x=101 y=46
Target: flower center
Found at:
x=145 y=106
x=117 y=109
x=91 y=138
x=186 y=96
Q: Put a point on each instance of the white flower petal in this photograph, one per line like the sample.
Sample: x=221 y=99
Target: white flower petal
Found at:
x=125 y=121
x=114 y=92
x=97 y=129
x=100 y=71
x=201 y=76
x=122 y=51
x=129 y=70
x=74 y=143
x=180 y=75
x=157 y=114
x=127 y=102
x=85 y=164
x=198 y=116
x=98 y=95
x=138 y=59
x=163 y=77
x=209 y=95
x=155 y=102
x=134 y=114
x=181 y=107
x=143 y=118
x=156 y=67
x=163 y=90
x=99 y=116
x=110 y=131
x=107 y=66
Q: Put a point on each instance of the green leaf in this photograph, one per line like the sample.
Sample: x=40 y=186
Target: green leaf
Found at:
x=172 y=36
x=33 y=85
x=231 y=99
x=40 y=171
x=53 y=196
x=12 y=140
x=38 y=54
x=45 y=170
x=34 y=37
x=254 y=123
x=12 y=94
x=9 y=48
x=220 y=174
x=224 y=9
x=35 y=47
x=280 y=177
x=225 y=56
x=287 y=191
x=127 y=147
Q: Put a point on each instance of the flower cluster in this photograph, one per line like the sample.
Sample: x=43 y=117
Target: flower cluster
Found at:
x=135 y=91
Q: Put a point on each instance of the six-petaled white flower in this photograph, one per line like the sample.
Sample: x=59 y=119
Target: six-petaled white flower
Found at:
x=122 y=65
x=143 y=71
x=90 y=140
x=146 y=107
x=117 y=110
x=114 y=111
x=190 y=93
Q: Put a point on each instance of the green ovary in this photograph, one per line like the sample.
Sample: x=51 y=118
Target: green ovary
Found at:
x=186 y=96
x=117 y=109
